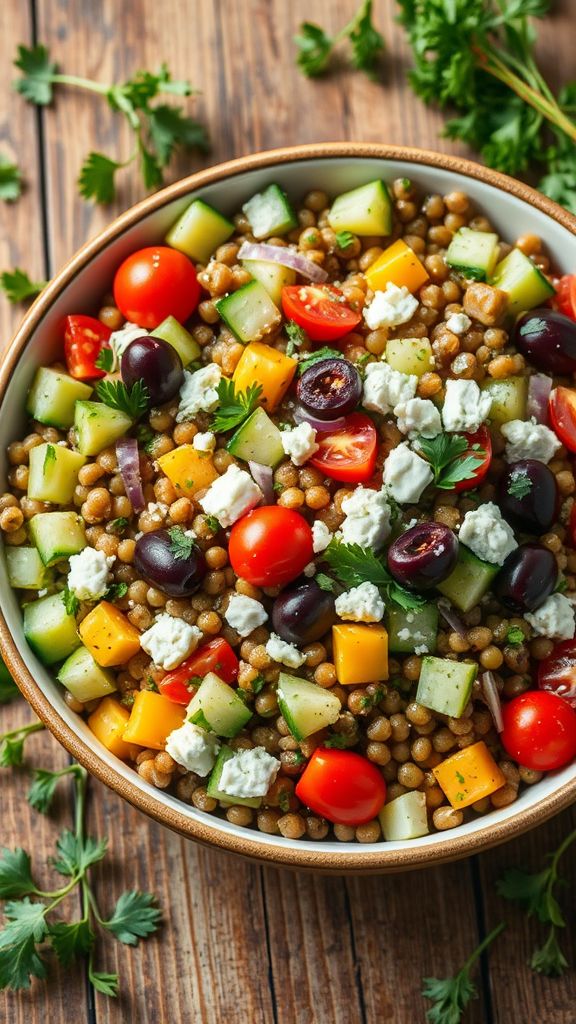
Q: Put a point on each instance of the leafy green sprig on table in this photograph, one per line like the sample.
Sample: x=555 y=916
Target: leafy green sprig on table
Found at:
x=353 y=565
x=451 y=996
x=10 y=180
x=18 y=286
x=235 y=406
x=315 y=47
x=445 y=453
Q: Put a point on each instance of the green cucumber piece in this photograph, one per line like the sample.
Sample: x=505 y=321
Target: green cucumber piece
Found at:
x=405 y=817
x=270 y=213
x=53 y=473
x=258 y=440
x=273 y=276
x=53 y=396
x=365 y=211
x=509 y=398
x=57 y=535
x=84 y=678
x=174 y=334
x=26 y=570
x=445 y=686
x=98 y=426
x=417 y=627
x=50 y=631
x=216 y=706
x=249 y=312
x=473 y=253
x=199 y=231
x=212 y=787
x=523 y=282
x=305 y=706
x=469 y=581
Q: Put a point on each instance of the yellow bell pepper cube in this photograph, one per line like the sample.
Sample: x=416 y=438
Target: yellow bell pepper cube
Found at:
x=399 y=265
x=272 y=370
x=469 y=775
x=109 y=636
x=152 y=719
x=188 y=470
x=360 y=653
x=108 y=723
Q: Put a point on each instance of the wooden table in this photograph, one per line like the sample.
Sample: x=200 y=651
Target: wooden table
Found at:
x=242 y=944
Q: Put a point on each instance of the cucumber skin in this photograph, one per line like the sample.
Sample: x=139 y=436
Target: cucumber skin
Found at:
x=305 y=721
x=26 y=570
x=98 y=426
x=267 y=450
x=212 y=787
x=345 y=214
x=199 y=230
x=57 y=538
x=281 y=216
x=467 y=239
x=236 y=313
x=200 y=705
x=469 y=581
x=524 y=283
x=47 y=401
x=84 y=678
x=49 y=630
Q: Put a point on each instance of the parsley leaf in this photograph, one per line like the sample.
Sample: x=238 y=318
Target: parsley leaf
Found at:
x=12 y=744
x=169 y=128
x=17 y=286
x=181 y=545
x=515 y=636
x=96 y=179
x=339 y=741
x=116 y=592
x=146 y=437
x=344 y=239
x=296 y=336
x=367 y=42
x=450 y=996
x=314 y=357
x=520 y=484
x=212 y=523
x=19 y=960
x=71 y=940
x=235 y=407
x=16 y=874
x=315 y=47
x=49 y=457
x=135 y=916
x=325 y=582
x=446 y=455
x=75 y=854
x=10 y=180
x=353 y=565
x=106 y=359
x=117 y=525
x=37 y=74
x=71 y=602
x=132 y=400
x=103 y=982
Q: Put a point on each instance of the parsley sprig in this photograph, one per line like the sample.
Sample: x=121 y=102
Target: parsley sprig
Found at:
x=296 y=336
x=315 y=47
x=450 y=465
x=520 y=484
x=309 y=358
x=353 y=565
x=18 y=286
x=450 y=996
x=132 y=400
x=12 y=744
x=10 y=180
x=181 y=544
x=235 y=406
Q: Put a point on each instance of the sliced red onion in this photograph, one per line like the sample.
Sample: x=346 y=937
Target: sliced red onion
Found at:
x=303 y=416
x=129 y=463
x=539 y=388
x=285 y=256
x=264 y=477
x=447 y=612
x=492 y=698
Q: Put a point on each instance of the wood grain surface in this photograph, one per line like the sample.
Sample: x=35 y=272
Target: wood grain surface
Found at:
x=241 y=944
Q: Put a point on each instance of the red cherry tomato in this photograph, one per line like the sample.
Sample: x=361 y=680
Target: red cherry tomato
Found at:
x=565 y=299
x=539 y=730
x=557 y=673
x=155 y=283
x=482 y=438
x=563 y=415
x=270 y=546
x=215 y=656
x=342 y=786
x=84 y=337
x=348 y=454
x=321 y=309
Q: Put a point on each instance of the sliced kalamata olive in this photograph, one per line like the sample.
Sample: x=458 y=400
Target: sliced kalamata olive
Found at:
x=330 y=388
x=303 y=613
x=548 y=339
x=156 y=363
x=527 y=578
x=175 y=568
x=423 y=556
x=528 y=496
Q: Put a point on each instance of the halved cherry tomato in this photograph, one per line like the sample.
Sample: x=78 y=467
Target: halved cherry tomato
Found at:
x=270 y=546
x=84 y=337
x=539 y=730
x=348 y=454
x=215 y=656
x=342 y=786
x=483 y=439
x=557 y=673
x=154 y=283
x=321 y=309
x=565 y=299
x=563 y=415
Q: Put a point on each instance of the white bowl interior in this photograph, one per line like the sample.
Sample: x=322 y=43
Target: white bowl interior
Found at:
x=511 y=217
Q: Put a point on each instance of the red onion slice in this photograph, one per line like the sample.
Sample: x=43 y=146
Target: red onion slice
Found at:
x=285 y=256
x=264 y=477
x=129 y=464
x=447 y=612
x=492 y=698
x=303 y=416
x=539 y=388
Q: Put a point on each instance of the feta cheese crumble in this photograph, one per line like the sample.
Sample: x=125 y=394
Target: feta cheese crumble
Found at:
x=245 y=614
x=286 y=654
x=487 y=534
x=529 y=440
x=299 y=443
x=231 y=496
x=119 y=340
x=418 y=417
x=459 y=323
x=406 y=474
x=89 y=574
x=194 y=748
x=157 y=511
x=385 y=388
x=360 y=604
x=205 y=442
x=367 y=521
x=199 y=392
x=391 y=307
x=321 y=536
x=465 y=406
x=169 y=641
x=249 y=773
x=554 y=618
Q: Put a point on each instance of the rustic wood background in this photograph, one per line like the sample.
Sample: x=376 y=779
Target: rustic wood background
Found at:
x=242 y=944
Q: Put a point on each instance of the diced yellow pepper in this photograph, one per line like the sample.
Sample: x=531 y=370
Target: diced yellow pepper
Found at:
x=360 y=653
x=152 y=719
x=188 y=469
x=108 y=723
x=469 y=775
x=399 y=265
x=109 y=636
x=272 y=370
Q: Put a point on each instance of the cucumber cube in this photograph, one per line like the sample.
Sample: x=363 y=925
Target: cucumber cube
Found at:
x=365 y=211
x=249 y=312
x=214 y=791
x=53 y=396
x=57 y=535
x=273 y=276
x=53 y=473
x=199 y=231
x=174 y=334
x=445 y=686
x=469 y=581
x=523 y=282
x=509 y=398
x=26 y=570
x=410 y=629
x=270 y=213
x=305 y=706
x=405 y=817
x=98 y=426
x=49 y=629
x=258 y=440
x=217 y=707
x=84 y=678
x=473 y=253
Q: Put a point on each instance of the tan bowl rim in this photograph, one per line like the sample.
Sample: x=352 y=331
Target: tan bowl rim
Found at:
x=361 y=859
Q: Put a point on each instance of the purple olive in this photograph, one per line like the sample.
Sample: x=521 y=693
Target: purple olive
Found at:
x=165 y=564
x=156 y=363
x=423 y=556
x=303 y=613
x=329 y=388
x=527 y=578
x=528 y=496
x=548 y=339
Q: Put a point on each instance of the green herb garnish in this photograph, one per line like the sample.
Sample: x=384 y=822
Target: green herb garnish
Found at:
x=296 y=336
x=132 y=400
x=181 y=544
x=257 y=684
x=18 y=286
x=212 y=523
x=353 y=565
x=10 y=180
x=117 y=525
x=344 y=239
x=450 y=996
x=235 y=406
x=12 y=745
x=315 y=357
x=146 y=437
x=49 y=457
x=520 y=484
x=106 y=359
x=325 y=582
x=116 y=592
x=450 y=465
x=71 y=602
x=515 y=636
x=338 y=741
x=316 y=47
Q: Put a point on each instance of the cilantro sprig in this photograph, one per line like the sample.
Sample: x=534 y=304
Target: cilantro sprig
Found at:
x=446 y=455
x=235 y=406
x=18 y=286
x=451 y=996
x=132 y=400
x=10 y=180
x=315 y=47
x=353 y=565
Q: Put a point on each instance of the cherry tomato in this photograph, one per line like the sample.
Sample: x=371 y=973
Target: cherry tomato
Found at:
x=321 y=309
x=84 y=337
x=342 y=786
x=563 y=415
x=539 y=730
x=348 y=454
x=270 y=546
x=215 y=656
x=482 y=438
x=565 y=299
x=557 y=673
x=155 y=283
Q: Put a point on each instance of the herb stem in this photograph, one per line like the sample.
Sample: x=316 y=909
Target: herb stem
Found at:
x=570 y=838
x=80 y=83
x=483 y=945
x=23 y=731
x=493 y=64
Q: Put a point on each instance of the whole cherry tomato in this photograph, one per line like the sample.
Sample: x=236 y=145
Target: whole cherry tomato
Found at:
x=84 y=339
x=270 y=546
x=154 y=283
x=215 y=656
x=539 y=730
x=321 y=309
x=342 y=786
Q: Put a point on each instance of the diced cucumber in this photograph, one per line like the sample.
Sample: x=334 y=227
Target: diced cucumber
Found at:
x=174 y=334
x=249 y=312
x=258 y=439
x=49 y=629
x=305 y=706
x=98 y=426
x=405 y=817
x=509 y=398
x=53 y=395
x=270 y=213
x=84 y=678
x=417 y=627
x=273 y=276
x=57 y=535
x=214 y=782
x=523 y=282
x=445 y=686
x=409 y=355
x=26 y=570
x=216 y=706
x=365 y=211
x=473 y=253
x=53 y=473
x=469 y=581
x=199 y=231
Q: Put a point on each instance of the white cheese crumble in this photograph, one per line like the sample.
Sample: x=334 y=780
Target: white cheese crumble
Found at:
x=391 y=307
x=231 y=496
x=286 y=654
x=554 y=618
x=465 y=406
x=194 y=748
x=199 y=392
x=529 y=440
x=205 y=442
x=119 y=340
x=245 y=614
x=157 y=511
x=360 y=604
x=458 y=323
x=406 y=474
x=89 y=574
x=385 y=388
x=418 y=417
x=487 y=534
x=299 y=443
x=249 y=773
x=310 y=569
x=367 y=521
x=169 y=641
x=321 y=536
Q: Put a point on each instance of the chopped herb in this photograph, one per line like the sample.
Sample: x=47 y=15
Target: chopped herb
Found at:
x=344 y=239
x=49 y=457
x=450 y=996
x=284 y=801
x=127 y=700
x=212 y=523
x=354 y=565
x=18 y=286
x=12 y=746
x=71 y=602
x=235 y=407
x=315 y=46
x=278 y=488
x=450 y=465
x=325 y=582
x=117 y=525
x=257 y=684
x=310 y=358
x=181 y=545
x=10 y=180
x=561 y=586
x=460 y=778
x=151 y=684
x=520 y=484
x=106 y=359
x=146 y=437
x=132 y=400
x=296 y=336
x=339 y=741
x=116 y=592
x=515 y=636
